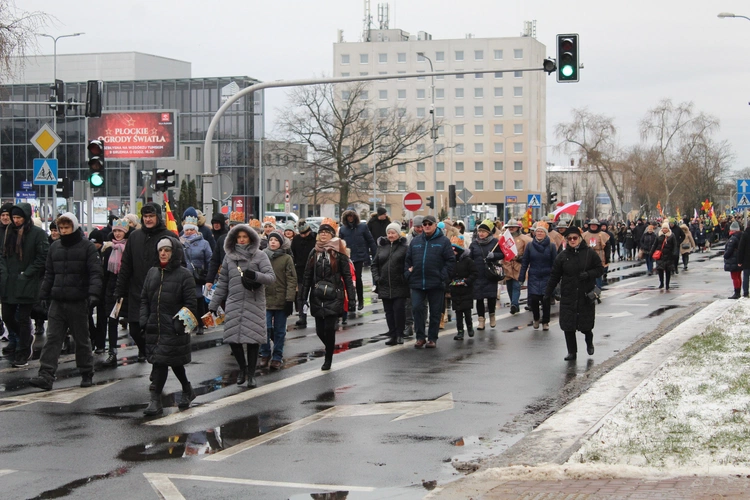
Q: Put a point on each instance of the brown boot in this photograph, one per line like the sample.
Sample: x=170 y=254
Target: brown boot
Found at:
x=442 y=322
x=263 y=362
x=481 y=323
x=493 y=322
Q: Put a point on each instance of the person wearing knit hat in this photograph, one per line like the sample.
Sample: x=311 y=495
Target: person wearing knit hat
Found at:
x=112 y=261
x=289 y=230
x=303 y=226
x=461 y=286
x=394 y=226
x=487 y=225
x=733 y=258
x=218 y=225
x=97 y=238
x=666 y=244
x=302 y=245
x=389 y=283
x=280 y=298
x=198 y=254
x=416 y=230
x=133 y=221
x=73 y=285
x=485 y=251
x=537 y=264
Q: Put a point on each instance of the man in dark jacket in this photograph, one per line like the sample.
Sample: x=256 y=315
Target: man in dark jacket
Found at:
x=218 y=226
x=302 y=245
x=639 y=229
x=743 y=260
x=140 y=255
x=73 y=283
x=679 y=235
x=24 y=252
x=360 y=242
x=429 y=268
x=378 y=223
x=5 y=220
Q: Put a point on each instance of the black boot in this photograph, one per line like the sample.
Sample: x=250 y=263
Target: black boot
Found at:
x=154 y=406
x=459 y=335
x=470 y=331
x=400 y=339
x=111 y=360
x=242 y=375
x=572 y=345
x=188 y=395
x=327 y=363
x=736 y=294
x=589 y=343
x=393 y=340
x=302 y=321
x=252 y=362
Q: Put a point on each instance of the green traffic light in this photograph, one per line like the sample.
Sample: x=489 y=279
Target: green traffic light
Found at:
x=567 y=71
x=96 y=180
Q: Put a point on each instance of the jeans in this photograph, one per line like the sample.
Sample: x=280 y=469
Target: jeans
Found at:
x=649 y=262
x=64 y=317
x=514 y=291
x=436 y=299
x=276 y=327
x=395 y=316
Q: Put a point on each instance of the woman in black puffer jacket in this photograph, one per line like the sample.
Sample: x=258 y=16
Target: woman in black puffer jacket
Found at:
x=388 y=278
x=328 y=276
x=168 y=287
x=667 y=243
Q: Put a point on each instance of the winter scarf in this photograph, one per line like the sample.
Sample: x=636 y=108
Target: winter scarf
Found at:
x=272 y=254
x=332 y=244
x=483 y=241
x=189 y=239
x=115 y=258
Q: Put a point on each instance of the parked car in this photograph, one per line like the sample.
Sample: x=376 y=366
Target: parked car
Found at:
x=283 y=217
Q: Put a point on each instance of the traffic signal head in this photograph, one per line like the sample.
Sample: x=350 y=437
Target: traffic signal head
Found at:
x=60 y=98
x=64 y=188
x=94 y=90
x=162 y=181
x=431 y=202
x=452 y=195
x=567 y=58
x=553 y=197
x=96 y=162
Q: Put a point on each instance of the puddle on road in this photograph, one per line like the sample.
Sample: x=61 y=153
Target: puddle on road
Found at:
x=661 y=310
x=68 y=488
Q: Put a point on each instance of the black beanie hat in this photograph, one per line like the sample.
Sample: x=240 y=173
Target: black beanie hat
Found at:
x=17 y=211
x=278 y=236
x=52 y=225
x=218 y=219
x=151 y=208
x=6 y=208
x=96 y=236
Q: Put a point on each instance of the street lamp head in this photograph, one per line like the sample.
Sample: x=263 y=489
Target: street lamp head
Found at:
x=722 y=15
x=420 y=54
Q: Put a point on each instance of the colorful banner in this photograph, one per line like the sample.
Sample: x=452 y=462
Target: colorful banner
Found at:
x=136 y=135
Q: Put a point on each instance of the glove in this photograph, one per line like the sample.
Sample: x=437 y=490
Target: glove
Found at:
x=248 y=280
x=249 y=274
x=93 y=301
x=491 y=256
x=289 y=308
x=583 y=276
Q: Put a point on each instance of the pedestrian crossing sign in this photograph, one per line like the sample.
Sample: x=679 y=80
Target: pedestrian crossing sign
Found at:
x=743 y=200
x=534 y=201
x=45 y=172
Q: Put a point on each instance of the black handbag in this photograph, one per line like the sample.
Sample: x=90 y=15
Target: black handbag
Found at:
x=324 y=290
x=199 y=273
x=495 y=271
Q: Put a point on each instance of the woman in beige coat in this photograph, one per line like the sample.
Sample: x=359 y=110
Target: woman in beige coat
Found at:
x=687 y=246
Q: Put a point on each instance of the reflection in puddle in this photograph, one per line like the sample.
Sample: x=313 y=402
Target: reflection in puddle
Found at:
x=68 y=488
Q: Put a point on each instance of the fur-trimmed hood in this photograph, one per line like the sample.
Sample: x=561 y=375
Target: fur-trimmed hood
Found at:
x=230 y=243
x=346 y=214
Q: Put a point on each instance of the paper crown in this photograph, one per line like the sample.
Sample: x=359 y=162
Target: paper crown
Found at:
x=190 y=220
x=330 y=222
x=237 y=217
x=457 y=241
x=269 y=219
x=121 y=224
x=255 y=223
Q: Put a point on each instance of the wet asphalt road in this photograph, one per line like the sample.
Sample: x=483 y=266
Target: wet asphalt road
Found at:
x=462 y=401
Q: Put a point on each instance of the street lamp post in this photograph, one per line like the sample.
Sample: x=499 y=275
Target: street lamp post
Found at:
x=54 y=120
x=723 y=15
x=433 y=134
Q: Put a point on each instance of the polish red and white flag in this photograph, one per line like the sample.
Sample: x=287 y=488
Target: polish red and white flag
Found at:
x=508 y=245
x=569 y=208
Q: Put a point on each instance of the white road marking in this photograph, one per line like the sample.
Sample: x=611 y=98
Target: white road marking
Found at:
x=64 y=396
x=408 y=409
x=166 y=489
x=5 y=472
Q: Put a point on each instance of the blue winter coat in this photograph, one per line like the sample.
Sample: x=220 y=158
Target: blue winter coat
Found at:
x=197 y=255
x=358 y=239
x=432 y=262
x=484 y=288
x=538 y=260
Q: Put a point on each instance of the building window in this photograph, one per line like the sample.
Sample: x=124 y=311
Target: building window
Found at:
x=364 y=95
x=439 y=77
x=459 y=129
x=517 y=53
x=346 y=94
x=479 y=185
x=498 y=129
x=401 y=113
x=518 y=147
x=363 y=73
x=459 y=93
x=439 y=56
x=498 y=148
x=498 y=55
x=478 y=166
x=420 y=78
x=478 y=111
x=459 y=166
x=479 y=55
x=518 y=128
x=187 y=153
x=382 y=58
x=498 y=166
x=197 y=154
x=420 y=113
x=439 y=93
x=459 y=148
x=459 y=55
x=278 y=185
x=518 y=185
x=498 y=111
x=401 y=73
x=420 y=58
x=383 y=73
x=498 y=91
x=401 y=186
x=440 y=186
x=364 y=58
x=345 y=74
x=344 y=58
x=517 y=91
x=420 y=94
x=402 y=169
x=459 y=77
x=439 y=111
x=420 y=166
x=440 y=166
x=478 y=148
x=401 y=93
x=383 y=186
x=517 y=110
x=420 y=185
x=518 y=166
x=518 y=74
x=478 y=93
x=498 y=185
x=268 y=185
x=498 y=75
x=401 y=57
x=478 y=129
x=459 y=111
x=478 y=76
x=420 y=149
x=383 y=112
x=382 y=95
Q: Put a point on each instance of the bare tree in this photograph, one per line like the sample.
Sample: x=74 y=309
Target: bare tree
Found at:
x=18 y=31
x=593 y=138
x=346 y=137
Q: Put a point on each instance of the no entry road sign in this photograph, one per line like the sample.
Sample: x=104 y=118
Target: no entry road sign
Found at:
x=412 y=202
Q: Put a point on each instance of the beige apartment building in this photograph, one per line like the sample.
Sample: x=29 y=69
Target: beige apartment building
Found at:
x=492 y=138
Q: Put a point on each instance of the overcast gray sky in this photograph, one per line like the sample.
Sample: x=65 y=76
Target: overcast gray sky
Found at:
x=635 y=53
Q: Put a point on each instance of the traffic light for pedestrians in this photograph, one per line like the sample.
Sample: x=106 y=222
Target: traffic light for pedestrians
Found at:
x=162 y=181
x=431 y=202
x=64 y=188
x=552 y=197
x=567 y=58
x=94 y=90
x=96 y=163
x=452 y=195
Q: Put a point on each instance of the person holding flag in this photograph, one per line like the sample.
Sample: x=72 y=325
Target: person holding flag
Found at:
x=513 y=245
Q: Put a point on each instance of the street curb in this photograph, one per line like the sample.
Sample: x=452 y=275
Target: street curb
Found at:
x=561 y=435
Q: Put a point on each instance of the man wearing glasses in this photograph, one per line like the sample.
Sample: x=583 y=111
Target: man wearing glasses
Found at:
x=429 y=267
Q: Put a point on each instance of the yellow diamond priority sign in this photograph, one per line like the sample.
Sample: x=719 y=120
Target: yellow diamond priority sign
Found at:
x=46 y=140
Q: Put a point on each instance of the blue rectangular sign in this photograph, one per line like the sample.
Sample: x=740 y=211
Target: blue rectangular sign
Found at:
x=25 y=194
x=534 y=201
x=26 y=185
x=743 y=200
x=45 y=171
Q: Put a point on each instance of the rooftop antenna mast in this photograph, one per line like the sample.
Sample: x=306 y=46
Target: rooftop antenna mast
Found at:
x=383 y=16
x=367 y=23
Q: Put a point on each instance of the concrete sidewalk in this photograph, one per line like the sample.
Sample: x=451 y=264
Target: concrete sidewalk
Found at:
x=536 y=468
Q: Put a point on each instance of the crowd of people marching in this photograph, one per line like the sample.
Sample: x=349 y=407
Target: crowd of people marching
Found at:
x=139 y=274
